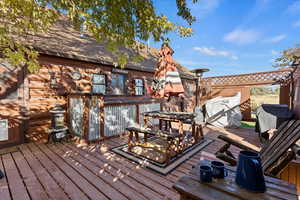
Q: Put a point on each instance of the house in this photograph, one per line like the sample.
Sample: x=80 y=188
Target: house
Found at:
x=77 y=71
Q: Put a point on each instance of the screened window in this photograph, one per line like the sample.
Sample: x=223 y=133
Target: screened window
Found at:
x=118 y=84
x=139 y=86
x=99 y=84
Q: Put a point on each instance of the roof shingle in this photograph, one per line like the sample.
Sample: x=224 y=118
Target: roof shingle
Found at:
x=64 y=41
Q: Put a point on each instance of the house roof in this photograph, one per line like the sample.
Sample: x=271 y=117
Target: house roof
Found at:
x=64 y=41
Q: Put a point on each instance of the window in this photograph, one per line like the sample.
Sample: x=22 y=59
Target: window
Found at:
x=139 y=86
x=118 y=84
x=99 y=84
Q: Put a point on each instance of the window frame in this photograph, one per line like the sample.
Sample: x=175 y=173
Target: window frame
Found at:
x=135 y=86
x=105 y=84
x=124 y=92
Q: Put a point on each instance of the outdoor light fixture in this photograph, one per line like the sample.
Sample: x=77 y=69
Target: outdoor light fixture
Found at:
x=199 y=73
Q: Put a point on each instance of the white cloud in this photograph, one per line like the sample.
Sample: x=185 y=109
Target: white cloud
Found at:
x=215 y=52
x=275 y=39
x=204 y=7
x=239 y=36
x=274 y=52
x=294 y=7
x=188 y=62
x=296 y=24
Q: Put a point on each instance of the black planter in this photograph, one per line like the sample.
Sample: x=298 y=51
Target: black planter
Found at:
x=58 y=134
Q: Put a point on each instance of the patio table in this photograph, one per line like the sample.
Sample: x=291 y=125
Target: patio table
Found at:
x=179 y=117
x=190 y=187
x=167 y=142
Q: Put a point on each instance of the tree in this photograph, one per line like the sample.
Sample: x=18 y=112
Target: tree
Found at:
x=288 y=57
x=118 y=22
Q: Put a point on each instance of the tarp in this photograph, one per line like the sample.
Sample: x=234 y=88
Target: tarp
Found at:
x=270 y=116
x=166 y=80
x=224 y=111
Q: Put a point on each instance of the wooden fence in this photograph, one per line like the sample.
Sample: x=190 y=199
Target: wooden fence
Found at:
x=231 y=84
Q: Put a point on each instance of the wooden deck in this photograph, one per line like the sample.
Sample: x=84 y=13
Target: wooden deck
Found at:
x=66 y=171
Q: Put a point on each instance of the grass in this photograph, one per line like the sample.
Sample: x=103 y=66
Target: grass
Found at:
x=246 y=124
x=257 y=100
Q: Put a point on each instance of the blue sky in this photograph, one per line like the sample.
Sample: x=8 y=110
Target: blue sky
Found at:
x=234 y=36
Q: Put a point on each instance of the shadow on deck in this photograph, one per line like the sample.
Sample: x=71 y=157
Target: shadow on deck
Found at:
x=67 y=171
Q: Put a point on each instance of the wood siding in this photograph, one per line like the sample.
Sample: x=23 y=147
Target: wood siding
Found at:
x=291 y=174
x=42 y=97
x=13 y=102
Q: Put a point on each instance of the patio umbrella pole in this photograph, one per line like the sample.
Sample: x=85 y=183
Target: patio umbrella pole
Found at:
x=197 y=92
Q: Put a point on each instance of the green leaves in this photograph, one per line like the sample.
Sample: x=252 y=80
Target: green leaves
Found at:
x=288 y=57
x=20 y=18
x=19 y=55
x=184 y=11
x=119 y=22
x=123 y=59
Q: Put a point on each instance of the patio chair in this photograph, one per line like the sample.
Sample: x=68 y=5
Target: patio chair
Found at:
x=199 y=122
x=275 y=153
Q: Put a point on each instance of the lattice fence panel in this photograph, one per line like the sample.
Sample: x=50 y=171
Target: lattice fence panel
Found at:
x=282 y=76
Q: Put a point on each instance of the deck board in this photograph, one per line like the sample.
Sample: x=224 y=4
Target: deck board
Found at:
x=4 y=188
x=113 y=183
x=50 y=185
x=141 y=183
x=72 y=190
x=67 y=171
x=100 y=184
x=84 y=184
x=34 y=187
x=113 y=176
x=15 y=182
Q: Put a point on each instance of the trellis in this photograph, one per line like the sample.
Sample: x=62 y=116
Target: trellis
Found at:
x=282 y=77
x=211 y=87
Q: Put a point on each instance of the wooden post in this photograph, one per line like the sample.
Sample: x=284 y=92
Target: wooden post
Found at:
x=86 y=110
x=137 y=113
x=130 y=140
x=102 y=116
x=284 y=96
x=146 y=124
